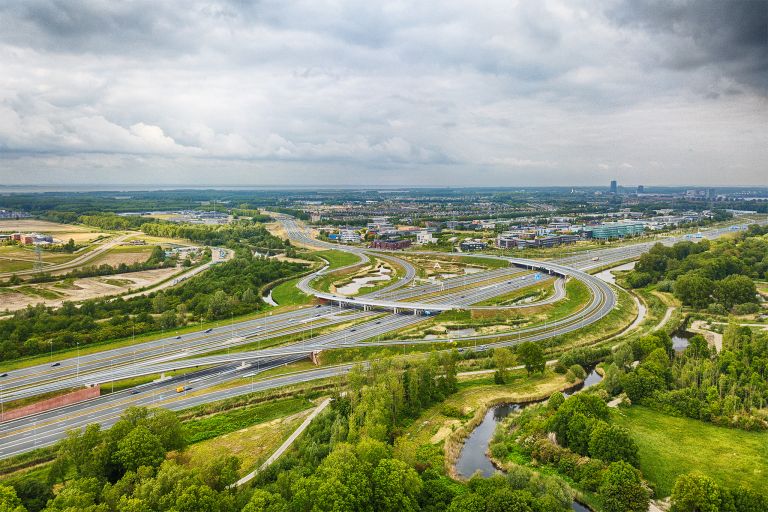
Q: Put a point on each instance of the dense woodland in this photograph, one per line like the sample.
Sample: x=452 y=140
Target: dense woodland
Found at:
x=713 y=275
x=729 y=388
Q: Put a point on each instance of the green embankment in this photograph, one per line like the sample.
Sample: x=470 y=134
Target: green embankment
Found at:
x=200 y=429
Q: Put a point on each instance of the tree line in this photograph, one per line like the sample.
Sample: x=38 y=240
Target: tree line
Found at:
x=716 y=275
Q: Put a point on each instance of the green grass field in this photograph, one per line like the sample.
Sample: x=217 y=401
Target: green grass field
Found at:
x=286 y=294
x=671 y=446
x=337 y=259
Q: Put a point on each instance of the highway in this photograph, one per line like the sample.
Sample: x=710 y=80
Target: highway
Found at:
x=17 y=436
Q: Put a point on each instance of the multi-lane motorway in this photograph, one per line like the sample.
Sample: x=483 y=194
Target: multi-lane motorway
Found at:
x=220 y=372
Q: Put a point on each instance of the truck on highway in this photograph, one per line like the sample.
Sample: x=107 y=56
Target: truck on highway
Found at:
x=182 y=389
x=596 y=258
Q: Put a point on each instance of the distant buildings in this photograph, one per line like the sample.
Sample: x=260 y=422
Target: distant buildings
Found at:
x=425 y=237
x=349 y=236
x=30 y=238
x=614 y=187
x=200 y=217
x=390 y=245
x=472 y=245
x=380 y=225
x=640 y=189
x=615 y=230
x=508 y=241
x=11 y=214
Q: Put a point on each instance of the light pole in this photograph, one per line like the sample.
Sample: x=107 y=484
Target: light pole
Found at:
x=78 y=360
x=51 y=344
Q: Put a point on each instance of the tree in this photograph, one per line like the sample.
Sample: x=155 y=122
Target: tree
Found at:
x=507 y=500
x=590 y=406
x=468 y=502
x=198 y=498
x=339 y=484
x=9 y=502
x=220 y=472
x=694 y=290
x=622 y=489
x=612 y=443
x=396 y=486
x=579 y=433
x=139 y=448
x=696 y=493
x=735 y=289
x=167 y=427
x=219 y=304
x=502 y=358
x=265 y=501
x=532 y=357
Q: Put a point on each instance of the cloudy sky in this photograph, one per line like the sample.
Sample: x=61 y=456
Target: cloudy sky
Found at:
x=446 y=93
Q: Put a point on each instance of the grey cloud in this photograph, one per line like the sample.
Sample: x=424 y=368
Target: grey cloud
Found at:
x=443 y=92
x=97 y=26
x=732 y=35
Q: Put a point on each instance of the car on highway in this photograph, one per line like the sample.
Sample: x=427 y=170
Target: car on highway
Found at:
x=319 y=305
x=178 y=337
x=4 y=375
x=135 y=391
x=55 y=364
x=207 y=331
x=352 y=330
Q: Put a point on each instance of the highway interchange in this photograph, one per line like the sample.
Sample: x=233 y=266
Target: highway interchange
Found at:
x=222 y=375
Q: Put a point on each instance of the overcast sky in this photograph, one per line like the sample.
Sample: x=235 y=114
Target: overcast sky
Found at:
x=442 y=93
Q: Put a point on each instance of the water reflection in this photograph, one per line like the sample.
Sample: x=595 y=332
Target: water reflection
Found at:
x=681 y=340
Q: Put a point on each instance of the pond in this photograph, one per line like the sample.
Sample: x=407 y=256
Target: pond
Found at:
x=473 y=455
x=353 y=287
x=681 y=340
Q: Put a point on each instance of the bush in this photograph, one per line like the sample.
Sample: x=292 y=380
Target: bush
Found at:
x=612 y=443
x=748 y=308
x=556 y=399
x=717 y=309
x=578 y=371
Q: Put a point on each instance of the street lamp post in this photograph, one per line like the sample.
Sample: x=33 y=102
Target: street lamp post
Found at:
x=78 y=360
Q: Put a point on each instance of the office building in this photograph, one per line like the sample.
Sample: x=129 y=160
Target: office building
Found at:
x=614 y=187
x=615 y=230
x=472 y=245
x=349 y=236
